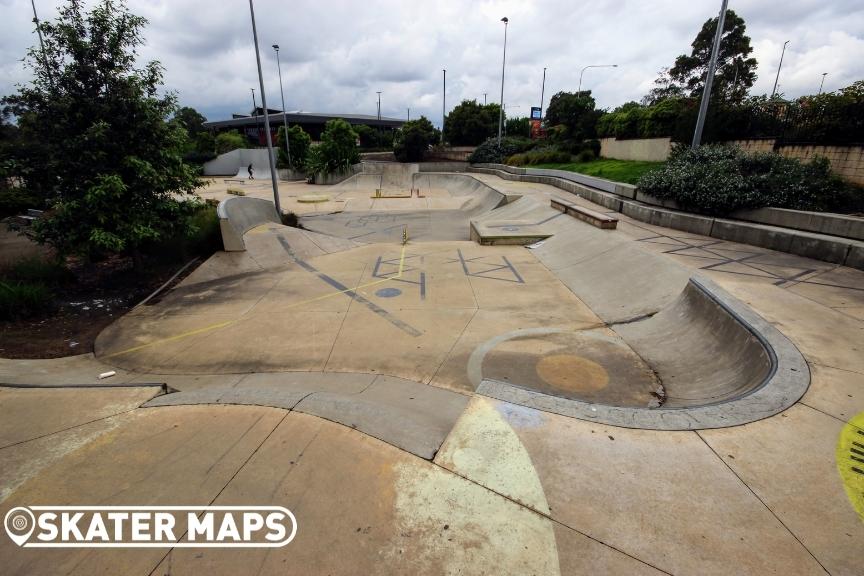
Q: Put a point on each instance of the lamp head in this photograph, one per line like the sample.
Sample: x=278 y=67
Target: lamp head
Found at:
x=505 y=20
x=276 y=47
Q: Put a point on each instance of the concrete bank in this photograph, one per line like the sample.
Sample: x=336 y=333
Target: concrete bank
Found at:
x=625 y=199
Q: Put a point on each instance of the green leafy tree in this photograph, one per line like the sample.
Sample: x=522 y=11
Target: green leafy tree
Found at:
x=113 y=171
x=413 y=140
x=576 y=112
x=735 y=73
x=470 y=123
x=299 y=142
x=338 y=149
x=517 y=127
x=191 y=119
x=227 y=141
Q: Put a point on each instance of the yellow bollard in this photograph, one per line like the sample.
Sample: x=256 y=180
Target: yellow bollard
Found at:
x=404 y=234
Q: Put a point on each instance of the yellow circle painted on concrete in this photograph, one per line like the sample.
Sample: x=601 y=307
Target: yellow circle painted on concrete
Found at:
x=571 y=372
x=850 y=461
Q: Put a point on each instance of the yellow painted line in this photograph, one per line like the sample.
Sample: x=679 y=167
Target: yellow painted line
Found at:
x=850 y=461
x=172 y=338
x=230 y=322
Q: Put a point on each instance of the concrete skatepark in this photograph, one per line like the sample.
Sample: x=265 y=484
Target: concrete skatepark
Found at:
x=511 y=390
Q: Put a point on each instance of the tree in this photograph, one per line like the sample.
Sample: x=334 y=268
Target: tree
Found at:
x=227 y=141
x=735 y=73
x=191 y=119
x=413 y=139
x=113 y=172
x=337 y=151
x=575 y=112
x=517 y=127
x=299 y=142
x=470 y=123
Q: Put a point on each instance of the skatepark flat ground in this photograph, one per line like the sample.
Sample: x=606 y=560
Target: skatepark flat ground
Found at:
x=335 y=374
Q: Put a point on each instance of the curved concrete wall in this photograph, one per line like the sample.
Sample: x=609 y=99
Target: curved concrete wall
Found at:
x=482 y=198
x=758 y=374
x=230 y=163
x=238 y=215
x=702 y=353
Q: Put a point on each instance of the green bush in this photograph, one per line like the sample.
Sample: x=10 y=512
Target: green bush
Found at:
x=23 y=299
x=490 y=152
x=717 y=180
x=586 y=155
x=227 y=141
x=337 y=151
x=539 y=156
x=413 y=140
x=37 y=270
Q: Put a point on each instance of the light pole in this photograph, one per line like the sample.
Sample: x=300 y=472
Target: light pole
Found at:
x=821 y=84
x=409 y=115
x=709 y=78
x=783 y=53
x=41 y=43
x=542 y=93
x=266 y=116
x=484 y=98
x=284 y=113
x=506 y=21
x=255 y=113
x=443 y=104
x=579 y=92
x=379 y=107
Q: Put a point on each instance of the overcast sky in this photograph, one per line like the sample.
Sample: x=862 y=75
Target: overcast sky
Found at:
x=336 y=53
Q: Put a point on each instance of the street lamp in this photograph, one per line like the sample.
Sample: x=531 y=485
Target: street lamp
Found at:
x=821 y=84
x=255 y=113
x=709 y=77
x=506 y=21
x=773 y=92
x=266 y=116
x=284 y=113
x=443 y=104
x=579 y=92
x=379 y=106
x=542 y=93
x=409 y=115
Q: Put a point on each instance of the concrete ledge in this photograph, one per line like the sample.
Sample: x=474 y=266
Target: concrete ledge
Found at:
x=585 y=215
x=506 y=233
x=239 y=214
x=819 y=222
x=785 y=379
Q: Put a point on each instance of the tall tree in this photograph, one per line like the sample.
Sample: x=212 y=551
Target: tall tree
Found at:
x=735 y=73
x=191 y=119
x=470 y=123
x=112 y=171
x=413 y=139
x=576 y=112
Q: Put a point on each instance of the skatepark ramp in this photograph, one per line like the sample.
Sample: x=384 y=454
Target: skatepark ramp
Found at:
x=236 y=162
x=238 y=215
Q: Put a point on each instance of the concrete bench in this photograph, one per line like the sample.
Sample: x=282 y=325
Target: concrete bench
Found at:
x=590 y=216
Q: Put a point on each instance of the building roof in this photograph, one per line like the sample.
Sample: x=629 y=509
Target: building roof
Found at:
x=306 y=118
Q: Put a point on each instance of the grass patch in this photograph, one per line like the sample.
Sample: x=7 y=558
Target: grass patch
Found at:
x=24 y=299
x=236 y=192
x=627 y=171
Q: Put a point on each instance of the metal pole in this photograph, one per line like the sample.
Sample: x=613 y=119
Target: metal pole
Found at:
x=709 y=78
x=506 y=21
x=542 y=93
x=284 y=114
x=443 y=104
x=379 y=106
x=484 y=98
x=255 y=114
x=783 y=53
x=821 y=84
x=409 y=115
x=42 y=43
x=266 y=116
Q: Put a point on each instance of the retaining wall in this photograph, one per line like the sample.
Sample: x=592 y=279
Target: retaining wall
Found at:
x=648 y=149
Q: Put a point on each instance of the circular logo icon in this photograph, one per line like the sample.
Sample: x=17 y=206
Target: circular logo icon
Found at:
x=19 y=523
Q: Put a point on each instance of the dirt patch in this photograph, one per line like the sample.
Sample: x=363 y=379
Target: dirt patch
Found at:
x=98 y=295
